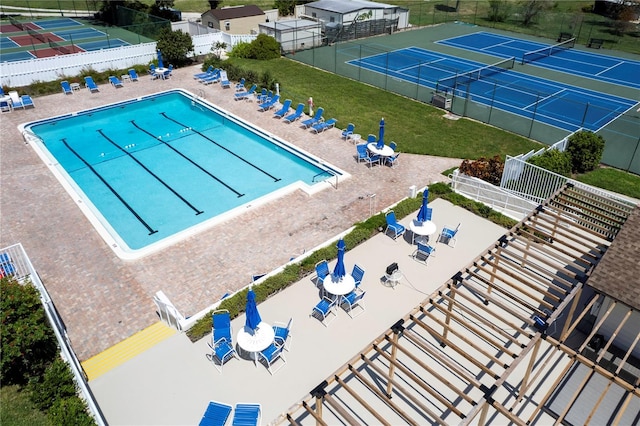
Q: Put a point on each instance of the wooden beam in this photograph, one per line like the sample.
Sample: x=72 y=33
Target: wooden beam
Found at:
x=328 y=399
x=597 y=326
x=525 y=380
x=479 y=290
x=613 y=336
x=362 y=402
x=567 y=323
x=392 y=366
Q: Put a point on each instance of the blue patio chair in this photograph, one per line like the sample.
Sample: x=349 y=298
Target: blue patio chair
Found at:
x=393 y=225
x=282 y=334
x=7 y=267
x=221 y=342
x=296 y=114
x=152 y=72
x=284 y=110
x=245 y=95
x=240 y=85
x=393 y=145
x=18 y=101
x=5 y=106
x=424 y=250
x=372 y=160
x=323 y=125
x=165 y=75
x=216 y=414
x=357 y=273
x=371 y=139
x=322 y=310
x=353 y=300
x=322 y=270
x=270 y=356
x=313 y=120
x=346 y=133
x=66 y=87
x=91 y=85
x=362 y=152
x=265 y=106
x=115 y=81
x=393 y=160
x=448 y=235
x=133 y=75
x=207 y=73
x=247 y=415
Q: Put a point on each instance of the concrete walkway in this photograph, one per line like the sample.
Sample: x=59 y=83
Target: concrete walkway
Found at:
x=171 y=383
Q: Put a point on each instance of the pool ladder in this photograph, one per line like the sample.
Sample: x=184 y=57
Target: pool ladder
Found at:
x=327 y=172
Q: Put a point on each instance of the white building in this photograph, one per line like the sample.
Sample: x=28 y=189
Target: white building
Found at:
x=294 y=34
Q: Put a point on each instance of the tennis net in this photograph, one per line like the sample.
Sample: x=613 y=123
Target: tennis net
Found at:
x=534 y=55
x=16 y=23
x=451 y=83
x=60 y=48
x=37 y=35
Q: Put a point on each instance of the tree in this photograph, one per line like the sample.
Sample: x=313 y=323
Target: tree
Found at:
x=531 y=9
x=219 y=47
x=585 y=149
x=285 y=7
x=213 y=4
x=264 y=47
x=498 y=10
x=175 y=46
x=28 y=344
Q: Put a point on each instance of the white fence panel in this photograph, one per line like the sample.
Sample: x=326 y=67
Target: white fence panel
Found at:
x=23 y=73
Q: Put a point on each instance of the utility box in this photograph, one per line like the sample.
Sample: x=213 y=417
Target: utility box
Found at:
x=441 y=101
x=413 y=191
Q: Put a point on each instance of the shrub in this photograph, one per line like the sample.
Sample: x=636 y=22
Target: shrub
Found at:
x=585 y=149
x=28 y=343
x=241 y=50
x=57 y=383
x=175 y=46
x=70 y=411
x=554 y=160
x=489 y=170
x=264 y=47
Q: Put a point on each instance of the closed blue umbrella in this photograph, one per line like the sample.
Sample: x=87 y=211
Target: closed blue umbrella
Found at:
x=422 y=214
x=339 y=271
x=160 y=63
x=253 y=317
x=380 y=143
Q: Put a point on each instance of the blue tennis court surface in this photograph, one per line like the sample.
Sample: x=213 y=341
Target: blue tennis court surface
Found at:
x=556 y=104
x=624 y=72
x=16 y=56
x=79 y=33
x=102 y=44
x=57 y=23
x=7 y=43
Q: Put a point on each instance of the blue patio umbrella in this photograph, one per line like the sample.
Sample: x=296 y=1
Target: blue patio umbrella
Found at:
x=253 y=317
x=339 y=271
x=160 y=63
x=422 y=214
x=380 y=143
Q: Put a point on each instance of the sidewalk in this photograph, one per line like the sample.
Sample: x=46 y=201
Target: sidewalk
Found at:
x=171 y=383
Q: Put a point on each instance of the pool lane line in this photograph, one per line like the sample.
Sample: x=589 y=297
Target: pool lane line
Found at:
x=146 y=225
x=275 y=179
x=166 y=185
x=188 y=159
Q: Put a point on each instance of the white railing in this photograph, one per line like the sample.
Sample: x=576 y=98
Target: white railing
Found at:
x=25 y=272
x=498 y=199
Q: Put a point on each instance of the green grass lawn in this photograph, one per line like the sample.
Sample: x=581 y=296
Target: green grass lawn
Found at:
x=416 y=127
x=613 y=180
x=17 y=410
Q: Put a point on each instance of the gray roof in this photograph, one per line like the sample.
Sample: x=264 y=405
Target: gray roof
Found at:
x=290 y=24
x=342 y=6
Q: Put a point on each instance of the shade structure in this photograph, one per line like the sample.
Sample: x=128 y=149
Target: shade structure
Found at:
x=422 y=213
x=253 y=316
x=339 y=271
x=380 y=143
x=160 y=63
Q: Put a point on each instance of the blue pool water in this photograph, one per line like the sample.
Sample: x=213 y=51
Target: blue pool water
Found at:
x=154 y=167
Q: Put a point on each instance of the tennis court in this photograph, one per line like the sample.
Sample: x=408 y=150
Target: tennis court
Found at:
x=560 y=57
x=557 y=104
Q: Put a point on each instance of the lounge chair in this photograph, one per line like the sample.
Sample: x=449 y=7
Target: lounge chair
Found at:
x=313 y=120
x=352 y=300
x=216 y=414
x=5 y=106
x=224 y=80
x=322 y=310
x=245 y=95
x=282 y=333
x=284 y=110
x=133 y=75
x=115 y=81
x=270 y=356
x=214 y=77
x=296 y=115
x=323 y=125
x=221 y=344
x=322 y=270
x=448 y=235
x=393 y=225
x=358 y=274
x=91 y=85
x=425 y=251
x=240 y=86
x=262 y=97
x=265 y=106
x=247 y=415
x=207 y=73
x=20 y=101
x=66 y=87
x=346 y=133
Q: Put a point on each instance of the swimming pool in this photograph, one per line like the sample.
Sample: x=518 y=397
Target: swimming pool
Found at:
x=151 y=171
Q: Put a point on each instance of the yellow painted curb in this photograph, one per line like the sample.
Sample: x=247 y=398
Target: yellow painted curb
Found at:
x=121 y=352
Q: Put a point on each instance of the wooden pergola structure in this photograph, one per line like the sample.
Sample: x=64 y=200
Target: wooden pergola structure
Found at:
x=514 y=337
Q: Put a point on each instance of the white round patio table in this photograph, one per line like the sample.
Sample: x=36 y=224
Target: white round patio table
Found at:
x=339 y=287
x=422 y=229
x=254 y=341
x=385 y=151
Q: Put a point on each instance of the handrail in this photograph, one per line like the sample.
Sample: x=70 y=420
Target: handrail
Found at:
x=27 y=132
x=326 y=171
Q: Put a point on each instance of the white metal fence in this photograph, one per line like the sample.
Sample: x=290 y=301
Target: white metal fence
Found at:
x=24 y=272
